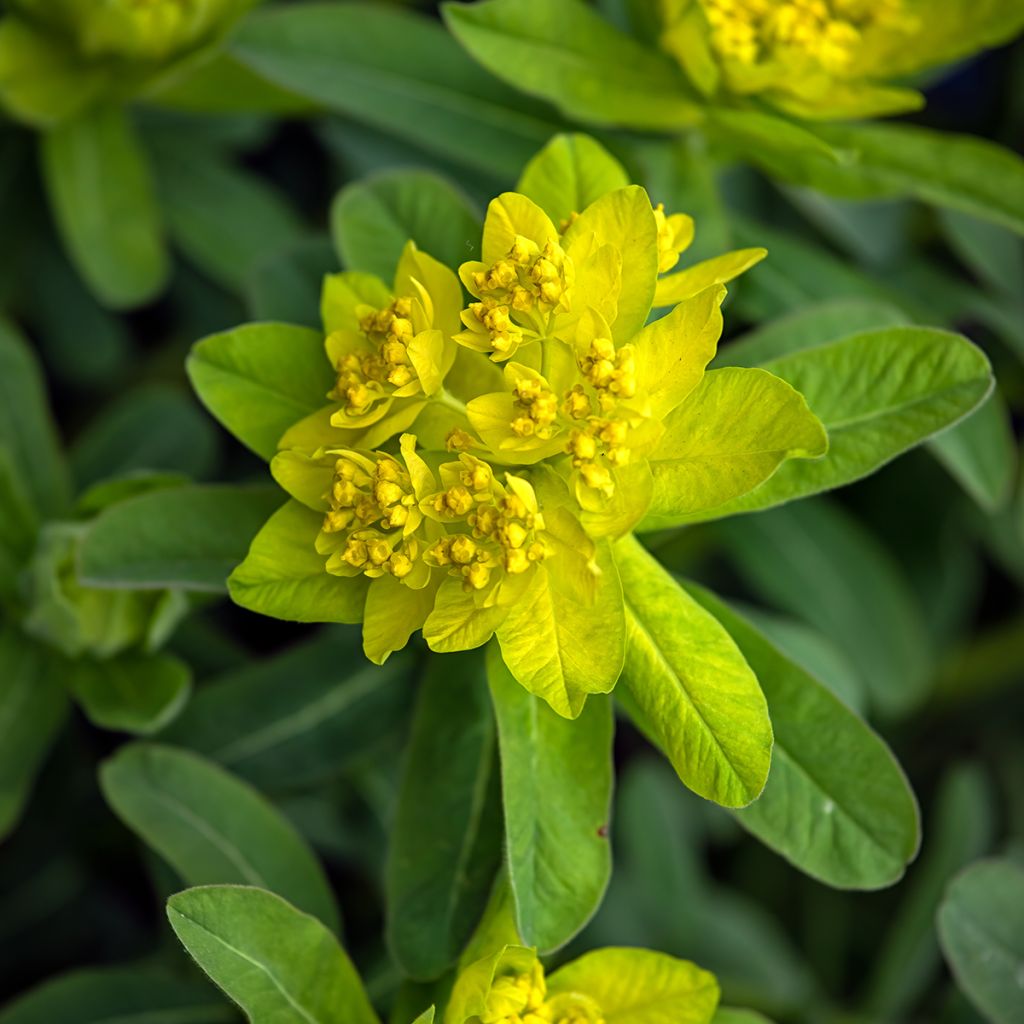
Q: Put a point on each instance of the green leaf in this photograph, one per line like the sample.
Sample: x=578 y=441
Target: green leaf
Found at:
x=18 y=524
x=211 y=827
x=105 y=995
x=103 y=202
x=807 y=328
x=727 y=1015
x=564 y=52
x=399 y=72
x=33 y=706
x=817 y=562
x=639 y=986
x=958 y=172
x=180 y=537
x=372 y=220
x=285 y=285
x=152 y=427
x=689 y=686
x=223 y=218
x=560 y=648
x=298 y=719
x=27 y=429
x=837 y=805
x=133 y=693
x=878 y=394
x=260 y=379
x=981 y=454
x=446 y=840
x=556 y=787
x=981 y=929
x=685 y=284
x=992 y=252
x=284 y=576
x=961 y=828
x=570 y=173
x=730 y=434
x=280 y=965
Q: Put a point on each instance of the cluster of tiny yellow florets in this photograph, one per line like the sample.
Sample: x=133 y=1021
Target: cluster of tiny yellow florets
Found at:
x=522 y=999
x=601 y=435
x=503 y=532
x=536 y=407
x=364 y=378
x=829 y=31
x=374 y=501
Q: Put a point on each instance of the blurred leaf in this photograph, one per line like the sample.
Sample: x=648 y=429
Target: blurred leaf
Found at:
x=19 y=526
x=959 y=172
x=557 y=780
x=807 y=328
x=33 y=706
x=878 y=395
x=285 y=285
x=446 y=838
x=109 y=492
x=397 y=71
x=104 y=995
x=153 y=427
x=211 y=827
x=133 y=693
x=102 y=197
x=565 y=52
x=725 y=1015
x=981 y=929
x=27 y=429
x=222 y=217
x=181 y=537
x=84 y=344
x=994 y=254
x=300 y=718
x=259 y=379
x=570 y=173
x=837 y=805
x=280 y=965
x=961 y=829
x=372 y=220
x=981 y=454
x=689 y=686
x=817 y=562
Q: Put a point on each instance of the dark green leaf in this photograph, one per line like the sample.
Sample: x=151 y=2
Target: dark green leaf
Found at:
x=285 y=285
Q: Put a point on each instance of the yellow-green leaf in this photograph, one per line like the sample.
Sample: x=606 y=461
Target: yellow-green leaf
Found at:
x=684 y=284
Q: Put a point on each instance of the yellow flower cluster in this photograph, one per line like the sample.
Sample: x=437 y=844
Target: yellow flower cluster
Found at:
x=523 y=999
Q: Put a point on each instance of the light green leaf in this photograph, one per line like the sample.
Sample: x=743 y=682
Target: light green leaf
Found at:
x=103 y=202
x=260 y=379
x=561 y=649
x=396 y=71
x=133 y=693
x=180 y=537
x=298 y=719
x=564 y=52
x=958 y=172
x=731 y=434
x=33 y=706
x=557 y=781
x=961 y=827
x=124 y=994
x=689 y=686
x=151 y=427
x=981 y=929
x=639 y=986
x=280 y=965
x=225 y=219
x=878 y=394
x=684 y=284
x=27 y=429
x=211 y=827
x=837 y=805
x=981 y=454
x=284 y=576
x=817 y=562
x=372 y=220
x=570 y=173
x=446 y=841
x=807 y=328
